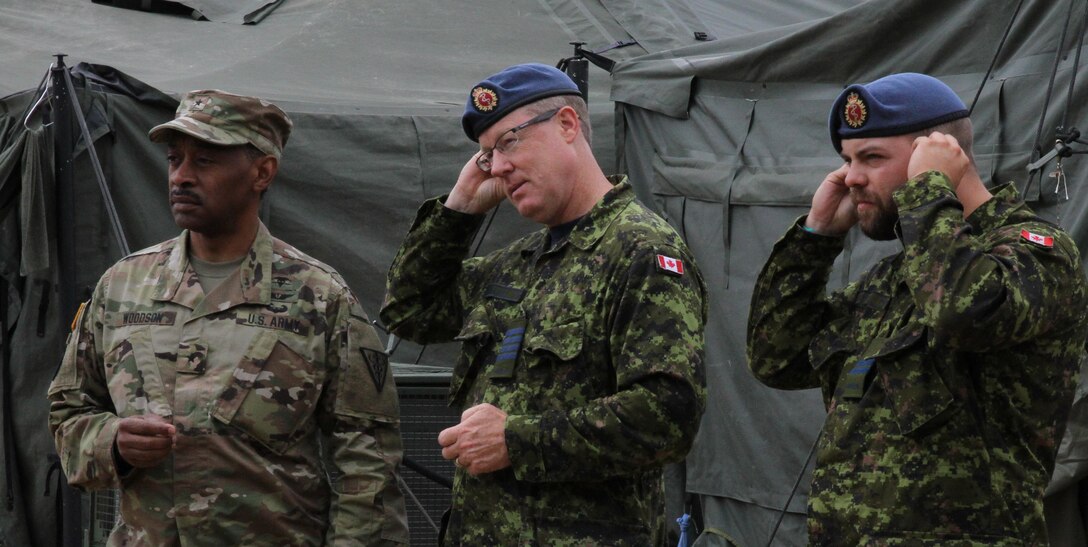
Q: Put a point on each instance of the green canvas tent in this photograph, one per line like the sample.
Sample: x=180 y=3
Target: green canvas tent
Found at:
x=375 y=90
x=719 y=115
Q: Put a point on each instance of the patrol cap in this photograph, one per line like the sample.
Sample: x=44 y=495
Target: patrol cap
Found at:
x=226 y=119
x=509 y=89
x=893 y=105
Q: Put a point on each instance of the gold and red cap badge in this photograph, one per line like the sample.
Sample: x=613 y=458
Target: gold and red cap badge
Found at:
x=855 y=113
x=484 y=99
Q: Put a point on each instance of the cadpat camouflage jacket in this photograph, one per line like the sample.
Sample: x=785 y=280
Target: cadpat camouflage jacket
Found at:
x=947 y=369
x=249 y=375
x=606 y=386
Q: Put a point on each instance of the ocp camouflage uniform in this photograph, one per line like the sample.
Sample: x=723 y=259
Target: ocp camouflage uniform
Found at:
x=249 y=375
x=606 y=387
x=973 y=335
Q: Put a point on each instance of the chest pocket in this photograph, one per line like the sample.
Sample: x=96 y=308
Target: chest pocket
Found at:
x=132 y=373
x=917 y=394
x=827 y=352
x=563 y=343
x=476 y=337
x=559 y=370
x=271 y=394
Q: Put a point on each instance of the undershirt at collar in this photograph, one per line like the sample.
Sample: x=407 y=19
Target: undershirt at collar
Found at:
x=559 y=233
x=212 y=274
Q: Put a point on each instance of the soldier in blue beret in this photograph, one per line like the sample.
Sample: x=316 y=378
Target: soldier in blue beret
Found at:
x=948 y=368
x=581 y=371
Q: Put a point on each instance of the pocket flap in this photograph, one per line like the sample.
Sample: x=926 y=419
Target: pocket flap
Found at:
x=917 y=394
x=475 y=325
x=475 y=334
x=134 y=381
x=827 y=344
x=564 y=341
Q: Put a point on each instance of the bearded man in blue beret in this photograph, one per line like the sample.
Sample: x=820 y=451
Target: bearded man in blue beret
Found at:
x=581 y=369
x=948 y=368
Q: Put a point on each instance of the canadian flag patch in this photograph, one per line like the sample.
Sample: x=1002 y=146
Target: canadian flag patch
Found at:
x=671 y=265
x=1045 y=241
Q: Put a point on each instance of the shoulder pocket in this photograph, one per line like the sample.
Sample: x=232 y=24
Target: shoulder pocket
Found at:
x=272 y=392
x=366 y=388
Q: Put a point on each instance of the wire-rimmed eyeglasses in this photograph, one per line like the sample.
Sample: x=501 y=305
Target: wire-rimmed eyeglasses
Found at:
x=508 y=140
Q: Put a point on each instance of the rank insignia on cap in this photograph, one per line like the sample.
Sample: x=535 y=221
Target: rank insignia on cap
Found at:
x=855 y=112
x=1041 y=240
x=671 y=265
x=484 y=99
x=199 y=103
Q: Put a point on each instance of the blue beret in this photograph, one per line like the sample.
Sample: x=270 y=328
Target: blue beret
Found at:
x=893 y=105
x=513 y=87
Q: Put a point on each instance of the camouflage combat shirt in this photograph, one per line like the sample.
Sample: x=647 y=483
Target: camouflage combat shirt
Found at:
x=947 y=370
x=251 y=375
x=606 y=386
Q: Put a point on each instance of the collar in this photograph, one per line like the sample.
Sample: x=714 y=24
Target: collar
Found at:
x=591 y=227
x=996 y=211
x=250 y=284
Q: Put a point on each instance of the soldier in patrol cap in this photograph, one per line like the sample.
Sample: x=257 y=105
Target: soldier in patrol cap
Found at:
x=581 y=370
x=226 y=383
x=948 y=368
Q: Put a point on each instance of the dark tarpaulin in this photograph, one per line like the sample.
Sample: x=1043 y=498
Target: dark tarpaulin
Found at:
x=233 y=11
x=222 y=11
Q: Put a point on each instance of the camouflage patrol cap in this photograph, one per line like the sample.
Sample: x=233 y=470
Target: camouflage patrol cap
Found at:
x=226 y=119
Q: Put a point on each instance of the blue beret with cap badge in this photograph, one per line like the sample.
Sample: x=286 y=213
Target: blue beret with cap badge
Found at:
x=897 y=104
x=509 y=89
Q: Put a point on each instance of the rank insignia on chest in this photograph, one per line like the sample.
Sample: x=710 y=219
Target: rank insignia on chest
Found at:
x=670 y=265
x=1040 y=240
x=857 y=380
x=507 y=357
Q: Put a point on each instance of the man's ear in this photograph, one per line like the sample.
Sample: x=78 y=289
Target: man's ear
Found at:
x=569 y=123
x=265 y=168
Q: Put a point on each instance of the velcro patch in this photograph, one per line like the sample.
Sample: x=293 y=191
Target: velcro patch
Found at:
x=670 y=265
x=79 y=314
x=379 y=369
x=271 y=321
x=1040 y=240
x=148 y=318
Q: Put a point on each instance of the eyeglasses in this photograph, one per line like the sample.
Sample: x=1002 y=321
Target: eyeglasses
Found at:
x=508 y=140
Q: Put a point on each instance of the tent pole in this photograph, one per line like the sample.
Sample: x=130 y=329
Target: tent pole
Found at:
x=63 y=148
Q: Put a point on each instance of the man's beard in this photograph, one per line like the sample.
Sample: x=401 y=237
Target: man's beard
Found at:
x=879 y=223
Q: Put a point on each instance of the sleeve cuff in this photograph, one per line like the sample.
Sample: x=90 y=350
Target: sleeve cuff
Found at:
x=523 y=447
x=923 y=188
x=104 y=453
x=436 y=216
